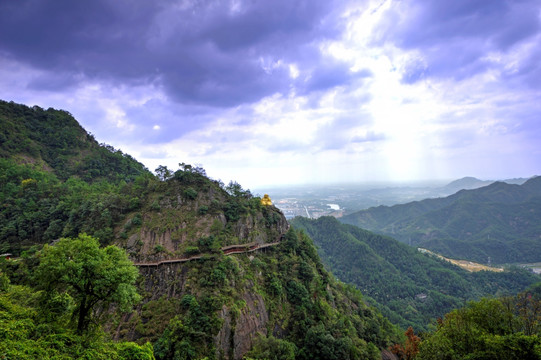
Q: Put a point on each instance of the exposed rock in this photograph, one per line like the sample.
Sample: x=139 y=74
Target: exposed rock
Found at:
x=223 y=339
x=252 y=321
x=387 y=355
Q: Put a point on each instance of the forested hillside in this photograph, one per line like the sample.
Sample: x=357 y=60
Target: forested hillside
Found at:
x=219 y=274
x=270 y=298
x=56 y=180
x=410 y=288
x=499 y=221
x=53 y=141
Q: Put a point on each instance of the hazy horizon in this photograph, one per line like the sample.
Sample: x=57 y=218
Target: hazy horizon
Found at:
x=368 y=185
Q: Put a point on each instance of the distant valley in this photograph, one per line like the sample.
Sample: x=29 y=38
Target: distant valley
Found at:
x=314 y=201
x=409 y=287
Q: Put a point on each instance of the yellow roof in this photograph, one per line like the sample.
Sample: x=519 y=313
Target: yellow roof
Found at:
x=266 y=200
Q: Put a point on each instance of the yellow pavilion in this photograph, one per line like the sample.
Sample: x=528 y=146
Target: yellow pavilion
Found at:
x=266 y=200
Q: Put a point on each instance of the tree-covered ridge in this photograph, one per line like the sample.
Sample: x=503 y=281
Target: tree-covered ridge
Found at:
x=37 y=207
x=52 y=140
x=186 y=214
x=500 y=221
x=188 y=305
x=410 y=288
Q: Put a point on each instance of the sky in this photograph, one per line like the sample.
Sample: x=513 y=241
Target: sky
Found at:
x=281 y=92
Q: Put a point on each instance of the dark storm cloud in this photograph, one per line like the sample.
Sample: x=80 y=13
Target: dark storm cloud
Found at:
x=455 y=36
x=222 y=53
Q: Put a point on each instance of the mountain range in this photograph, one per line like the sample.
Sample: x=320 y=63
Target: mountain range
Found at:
x=498 y=223
x=409 y=287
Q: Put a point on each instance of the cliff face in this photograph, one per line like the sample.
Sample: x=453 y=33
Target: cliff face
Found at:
x=206 y=297
x=191 y=221
x=238 y=322
x=194 y=217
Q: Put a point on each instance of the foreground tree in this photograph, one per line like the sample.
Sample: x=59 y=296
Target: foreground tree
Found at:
x=94 y=277
x=487 y=329
x=410 y=349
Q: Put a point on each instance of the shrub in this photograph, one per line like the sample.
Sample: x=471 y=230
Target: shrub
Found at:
x=190 y=193
x=203 y=210
x=191 y=250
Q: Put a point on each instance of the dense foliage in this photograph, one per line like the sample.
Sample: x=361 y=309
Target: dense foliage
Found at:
x=303 y=312
x=93 y=277
x=499 y=221
x=410 y=288
x=36 y=324
x=37 y=207
x=505 y=328
x=50 y=191
x=57 y=181
x=52 y=140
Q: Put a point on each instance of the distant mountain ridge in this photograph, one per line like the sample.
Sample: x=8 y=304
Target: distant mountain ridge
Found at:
x=470 y=183
x=466 y=183
x=500 y=221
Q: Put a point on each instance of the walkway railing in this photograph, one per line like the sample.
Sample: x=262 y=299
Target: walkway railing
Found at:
x=227 y=250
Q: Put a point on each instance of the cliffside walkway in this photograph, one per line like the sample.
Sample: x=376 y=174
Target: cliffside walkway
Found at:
x=227 y=250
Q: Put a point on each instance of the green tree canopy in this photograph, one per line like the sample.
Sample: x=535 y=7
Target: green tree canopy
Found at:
x=95 y=277
x=487 y=329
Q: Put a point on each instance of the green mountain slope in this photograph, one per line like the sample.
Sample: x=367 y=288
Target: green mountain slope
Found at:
x=52 y=140
x=498 y=328
x=411 y=288
x=500 y=221
x=222 y=275
x=56 y=180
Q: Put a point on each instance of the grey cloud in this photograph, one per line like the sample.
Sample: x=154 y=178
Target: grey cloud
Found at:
x=328 y=74
x=54 y=81
x=281 y=145
x=414 y=71
x=175 y=120
x=528 y=70
x=455 y=36
x=200 y=51
x=426 y=23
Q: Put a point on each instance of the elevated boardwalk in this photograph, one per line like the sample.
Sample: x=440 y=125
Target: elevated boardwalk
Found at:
x=227 y=250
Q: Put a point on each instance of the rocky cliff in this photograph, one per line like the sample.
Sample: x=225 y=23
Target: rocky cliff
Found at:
x=200 y=300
